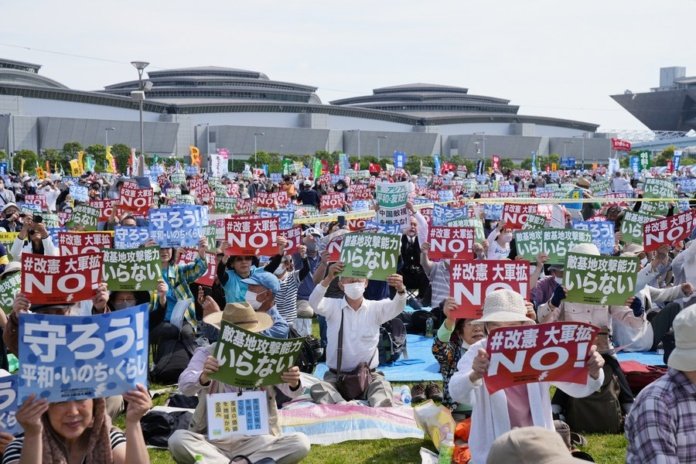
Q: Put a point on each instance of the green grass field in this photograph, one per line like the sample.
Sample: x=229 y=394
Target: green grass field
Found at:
x=606 y=449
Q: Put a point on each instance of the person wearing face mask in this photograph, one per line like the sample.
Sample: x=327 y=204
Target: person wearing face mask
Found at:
x=290 y=280
x=6 y=196
x=544 y=288
x=499 y=242
x=312 y=263
x=262 y=291
x=657 y=272
x=361 y=320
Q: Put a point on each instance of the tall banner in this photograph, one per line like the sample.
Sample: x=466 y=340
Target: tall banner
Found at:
x=676 y=160
x=620 y=145
x=399 y=159
x=496 y=162
x=369 y=255
x=603 y=280
x=68 y=358
x=645 y=160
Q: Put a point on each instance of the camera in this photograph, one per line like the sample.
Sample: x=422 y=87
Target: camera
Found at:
x=36 y=219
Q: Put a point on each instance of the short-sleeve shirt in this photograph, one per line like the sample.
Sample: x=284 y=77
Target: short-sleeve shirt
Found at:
x=13 y=452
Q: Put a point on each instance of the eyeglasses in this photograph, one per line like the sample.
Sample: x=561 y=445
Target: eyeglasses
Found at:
x=124 y=300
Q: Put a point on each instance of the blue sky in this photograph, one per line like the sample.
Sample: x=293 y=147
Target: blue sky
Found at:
x=552 y=58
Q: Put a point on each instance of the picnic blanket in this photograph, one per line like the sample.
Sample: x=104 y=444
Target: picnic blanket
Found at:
x=649 y=358
x=420 y=365
x=327 y=424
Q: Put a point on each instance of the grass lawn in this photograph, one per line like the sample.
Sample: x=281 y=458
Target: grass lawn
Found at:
x=606 y=449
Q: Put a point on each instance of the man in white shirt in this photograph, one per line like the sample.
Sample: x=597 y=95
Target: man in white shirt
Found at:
x=361 y=321
x=6 y=196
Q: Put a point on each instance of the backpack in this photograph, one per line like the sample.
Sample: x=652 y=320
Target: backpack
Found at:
x=419 y=320
x=158 y=426
x=392 y=341
x=601 y=411
x=310 y=353
x=170 y=358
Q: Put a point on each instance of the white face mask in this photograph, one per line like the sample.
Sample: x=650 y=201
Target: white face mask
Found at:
x=644 y=262
x=354 y=290
x=559 y=280
x=251 y=298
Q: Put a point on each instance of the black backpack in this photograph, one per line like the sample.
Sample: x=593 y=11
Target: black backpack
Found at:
x=310 y=353
x=158 y=426
x=419 y=320
x=392 y=341
x=171 y=353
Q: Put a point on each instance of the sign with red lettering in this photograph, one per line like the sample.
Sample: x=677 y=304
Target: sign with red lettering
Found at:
x=60 y=279
x=356 y=224
x=331 y=201
x=205 y=194
x=38 y=200
x=668 y=231
x=515 y=215
x=77 y=243
x=252 y=237
x=189 y=255
x=274 y=200
x=106 y=208
x=450 y=242
x=359 y=192
x=134 y=199
x=294 y=238
x=620 y=145
x=472 y=280
x=539 y=353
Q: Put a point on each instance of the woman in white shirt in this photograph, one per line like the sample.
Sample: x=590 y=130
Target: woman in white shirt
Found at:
x=499 y=242
x=33 y=238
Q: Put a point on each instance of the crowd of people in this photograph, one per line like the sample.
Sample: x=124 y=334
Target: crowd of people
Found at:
x=281 y=295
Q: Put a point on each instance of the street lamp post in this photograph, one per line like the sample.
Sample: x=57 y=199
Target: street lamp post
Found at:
x=379 y=146
x=140 y=66
x=582 y=139
x=106 y=135
x=256 y=134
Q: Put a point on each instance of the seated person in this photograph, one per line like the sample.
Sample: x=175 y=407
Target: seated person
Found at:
x=454 y=337
x=186 y=444
x=79 y=431
x=361 y=320
x=262 y=289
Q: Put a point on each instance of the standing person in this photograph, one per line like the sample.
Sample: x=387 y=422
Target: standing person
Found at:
x=520 y=406
x=499 y=242
x=361 y=320
x=6 y=196
x=660 y=427
x=308 y=196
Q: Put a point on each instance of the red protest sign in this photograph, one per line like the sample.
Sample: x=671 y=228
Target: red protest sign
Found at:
x=106 y=208
x=472 y=280
x=427 y=214
x=195 y=183
x=334 y=248
x=515 y=215
x=38 y=200
x=332 y=200
x=541 y=353
x=272 y=200
x=205 y=194
x=668 y=231
x=252 y=237
x=294 y=238
x=620 y=145
x=189 y=255
x=450 y=242
x=359 y=192
x=80 y=243
x=356 y=224
x=60 y=279
x=134 y=199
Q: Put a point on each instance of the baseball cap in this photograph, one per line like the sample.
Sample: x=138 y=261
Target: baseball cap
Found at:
x=683 y=357
x=313 y=231
x=530 y=445
x=265 y=279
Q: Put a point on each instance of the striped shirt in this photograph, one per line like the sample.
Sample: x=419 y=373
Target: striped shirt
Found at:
x=13 y=452
x=178 y=277
x=440 y=283
x=286 y=299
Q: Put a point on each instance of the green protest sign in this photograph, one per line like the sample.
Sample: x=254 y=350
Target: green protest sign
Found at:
x=554 y=242
x=632 y=226
x=9 y=287
x=391 y=199
x=534 y=221
x=7 y=240
x=210 y=233
x=173 y=192
x=132 y=269
x=51 y=220
x=604 y=280
x=248 y=359
x=84 y=217
x=645 y=158
x=226 y=205
x=599 y=186
x=178 y=178
x=657 y=188
x=370 y=255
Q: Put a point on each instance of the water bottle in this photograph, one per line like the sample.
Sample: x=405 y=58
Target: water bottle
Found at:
x=429 y=323
x=446 y=450
x=405 y=394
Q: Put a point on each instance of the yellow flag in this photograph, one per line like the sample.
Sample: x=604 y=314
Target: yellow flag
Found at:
x=110 y=162
x=75 y=168
x=40 y=174
x=21 y=167
x=80 y=161
x=195 y=156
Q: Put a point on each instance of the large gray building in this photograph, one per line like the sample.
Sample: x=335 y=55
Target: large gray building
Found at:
x=244 y=111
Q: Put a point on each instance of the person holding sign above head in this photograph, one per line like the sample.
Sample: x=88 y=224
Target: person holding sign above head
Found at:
x=11 y=218
x=195 y=380
x=33 y=238
x=499 y=242
x=79 y=432
x=522 y=405
x=353 y=325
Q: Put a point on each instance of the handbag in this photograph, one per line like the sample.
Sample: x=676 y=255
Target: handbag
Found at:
x=351 y=385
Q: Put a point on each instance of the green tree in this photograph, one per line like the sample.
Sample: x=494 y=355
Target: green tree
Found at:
x=507 y=163
x=98 y=153
x=3 y=155
x=55 y=159
x=526 y=164
x=666 y=155
x=70 y=150
x=30 y=160
x=121 y=153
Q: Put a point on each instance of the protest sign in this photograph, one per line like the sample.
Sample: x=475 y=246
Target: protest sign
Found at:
x=443 y=215
x=554 y=242
x=332 y=244
x=604 y=280
x=332 y=201
x=493 y=211
x=668 y=231
x=252 y=237
x=7 y=239
x=189 y=255
x=134 y=199
x=66 y=358
x=130 y=237
x=450 y=242
x=477 y=224
x=294 y=237
x=515 y=215
x=556 y=351
x=9 y=287
x=632 y=226
x=472 y=280
x=243 y=413
x=285 y=218
x=84 y=217
x=657 y=188
x=249 y=359
x=271 y=200
x=599 y=186
x=177 y=226
x=60 y=279
x=77 y=243
x=105 y=207
x=9 y=405
x=225 y=205
x=37 y=200
x=132 y=269
x=602 y=234
x=79 y=193
x=369 y=255
x=391 y=199
x=534 y=221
